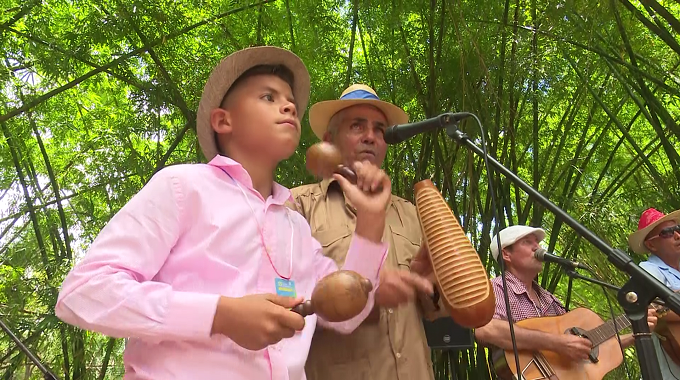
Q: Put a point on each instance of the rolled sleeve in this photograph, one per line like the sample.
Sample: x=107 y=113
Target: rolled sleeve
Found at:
x=500 y=312
x=111 y=290
x=192 y=313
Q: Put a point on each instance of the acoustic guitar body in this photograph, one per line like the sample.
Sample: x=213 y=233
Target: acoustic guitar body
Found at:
x=555 y=367
x=670 y=332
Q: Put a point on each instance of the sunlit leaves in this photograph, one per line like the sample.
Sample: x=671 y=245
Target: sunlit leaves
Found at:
x=599 y=156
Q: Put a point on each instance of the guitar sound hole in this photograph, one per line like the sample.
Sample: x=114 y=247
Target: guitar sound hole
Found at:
x=594 y=352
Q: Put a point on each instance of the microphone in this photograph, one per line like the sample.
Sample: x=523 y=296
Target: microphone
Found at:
x=398 y=133
x=542 y=255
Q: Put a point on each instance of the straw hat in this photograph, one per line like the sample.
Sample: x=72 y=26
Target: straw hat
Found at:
x=232 y=67
x=320 y=113
x=511 y=234
x=649 y=219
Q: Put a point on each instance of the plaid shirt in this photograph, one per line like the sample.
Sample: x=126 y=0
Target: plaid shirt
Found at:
x=521 y=305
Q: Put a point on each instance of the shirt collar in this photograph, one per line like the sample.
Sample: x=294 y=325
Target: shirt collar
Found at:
x=325 y=184
x=516 y=285
x=656 y=260
x=280 y=194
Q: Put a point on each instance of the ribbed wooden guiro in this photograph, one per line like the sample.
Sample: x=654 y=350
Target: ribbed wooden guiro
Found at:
x=461 y=278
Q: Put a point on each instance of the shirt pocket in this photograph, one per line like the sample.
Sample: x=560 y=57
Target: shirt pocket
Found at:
x=405 y=245
x=335 y=243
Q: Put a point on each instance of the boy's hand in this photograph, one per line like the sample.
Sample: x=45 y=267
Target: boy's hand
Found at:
x=370 y=203
x=257 y=321
x=400 y=286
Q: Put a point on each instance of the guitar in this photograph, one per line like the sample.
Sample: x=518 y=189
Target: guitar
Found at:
x=669 y=337
x=604 y=356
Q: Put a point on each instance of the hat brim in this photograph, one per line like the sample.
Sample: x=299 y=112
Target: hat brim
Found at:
x=636 y=240
x=231 y=68
x=321 y=113
x=540 y=234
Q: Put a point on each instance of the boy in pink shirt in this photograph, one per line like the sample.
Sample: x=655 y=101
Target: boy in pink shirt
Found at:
x=190 y=267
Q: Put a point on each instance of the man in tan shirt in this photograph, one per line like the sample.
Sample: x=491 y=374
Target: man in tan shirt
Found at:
x=391 y=343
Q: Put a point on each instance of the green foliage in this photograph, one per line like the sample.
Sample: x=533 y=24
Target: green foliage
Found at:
x=578 y=98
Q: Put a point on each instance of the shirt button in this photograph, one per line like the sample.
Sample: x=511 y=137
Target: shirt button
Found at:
x=389 y=311
x=398 y=355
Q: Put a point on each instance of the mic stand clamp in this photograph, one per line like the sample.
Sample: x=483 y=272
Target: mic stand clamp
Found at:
x=635 y=298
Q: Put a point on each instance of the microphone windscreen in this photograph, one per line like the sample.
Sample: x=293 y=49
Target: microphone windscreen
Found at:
x=461 y=277
x=538 y=254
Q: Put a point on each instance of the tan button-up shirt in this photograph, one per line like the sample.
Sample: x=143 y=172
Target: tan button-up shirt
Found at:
x=391 y=343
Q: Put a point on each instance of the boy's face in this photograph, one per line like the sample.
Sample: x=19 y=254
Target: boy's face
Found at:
x=260 y=118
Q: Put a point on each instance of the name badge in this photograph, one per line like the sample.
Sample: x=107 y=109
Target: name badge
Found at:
x=285 y=288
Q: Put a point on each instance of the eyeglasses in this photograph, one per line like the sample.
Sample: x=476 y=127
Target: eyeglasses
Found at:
x=667 y=232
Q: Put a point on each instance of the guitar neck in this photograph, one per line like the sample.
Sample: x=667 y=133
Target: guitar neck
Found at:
x=607 y=330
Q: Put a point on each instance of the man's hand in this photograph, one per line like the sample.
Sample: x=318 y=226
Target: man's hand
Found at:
x=421 y=264
x=257 y=321
x=652 y=318
x=573 y=347
x=370 y=203
x=400 y=286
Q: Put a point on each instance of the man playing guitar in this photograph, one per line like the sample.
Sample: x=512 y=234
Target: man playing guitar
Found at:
x=529 y=300
x=659 y=236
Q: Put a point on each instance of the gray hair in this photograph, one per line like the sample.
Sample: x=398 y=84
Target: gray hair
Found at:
x=334 y=123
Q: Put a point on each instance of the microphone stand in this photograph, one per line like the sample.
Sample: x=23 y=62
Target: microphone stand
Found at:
x=573 y=274
x=634 y=296
x=46 y=372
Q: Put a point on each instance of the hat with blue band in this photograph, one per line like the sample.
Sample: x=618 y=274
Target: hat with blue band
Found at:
x=321 y=113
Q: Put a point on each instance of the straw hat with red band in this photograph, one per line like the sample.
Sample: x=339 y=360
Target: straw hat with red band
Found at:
x=230 y=69
x=321 y=113
x=649 y=219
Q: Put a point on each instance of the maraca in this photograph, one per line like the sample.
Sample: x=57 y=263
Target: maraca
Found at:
x=324 y=159
x=339 y=296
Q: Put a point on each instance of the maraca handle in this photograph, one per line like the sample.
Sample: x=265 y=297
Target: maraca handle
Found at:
x=304 y=309
x=352 y=176
x=347 y=173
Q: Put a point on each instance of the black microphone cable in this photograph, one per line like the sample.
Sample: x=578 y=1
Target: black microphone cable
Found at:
x=500 y=261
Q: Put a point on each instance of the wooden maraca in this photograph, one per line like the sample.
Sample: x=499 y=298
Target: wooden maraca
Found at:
x=339 y=296
x=323 y=160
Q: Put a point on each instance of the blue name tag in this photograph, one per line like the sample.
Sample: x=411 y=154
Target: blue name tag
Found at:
x=285 y=288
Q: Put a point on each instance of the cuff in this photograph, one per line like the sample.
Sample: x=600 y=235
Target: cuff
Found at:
x=190 y=315
x=366 y=257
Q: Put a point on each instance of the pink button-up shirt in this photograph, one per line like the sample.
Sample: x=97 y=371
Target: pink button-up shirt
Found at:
x=155 y=273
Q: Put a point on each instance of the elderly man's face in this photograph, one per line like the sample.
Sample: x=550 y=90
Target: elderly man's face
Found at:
x=667 y=245
x=359 y=134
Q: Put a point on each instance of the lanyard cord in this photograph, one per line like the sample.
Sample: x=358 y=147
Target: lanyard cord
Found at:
x=260 y=229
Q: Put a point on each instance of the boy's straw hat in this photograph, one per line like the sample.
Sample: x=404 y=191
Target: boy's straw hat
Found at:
x=321 y=113
x=232 y=67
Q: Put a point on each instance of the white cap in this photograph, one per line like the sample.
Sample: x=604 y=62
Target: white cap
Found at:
x=511 y=234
